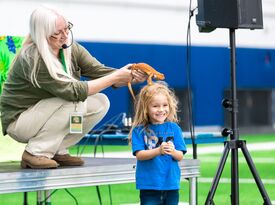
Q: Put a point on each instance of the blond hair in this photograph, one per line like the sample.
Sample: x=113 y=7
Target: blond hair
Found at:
x=141 y=116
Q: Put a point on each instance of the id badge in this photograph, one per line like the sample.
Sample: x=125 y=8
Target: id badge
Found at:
x=76 y=123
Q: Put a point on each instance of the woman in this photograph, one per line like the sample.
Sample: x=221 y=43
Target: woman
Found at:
x=43 y=92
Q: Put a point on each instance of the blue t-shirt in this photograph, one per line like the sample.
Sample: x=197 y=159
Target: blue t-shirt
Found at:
x=161 y=172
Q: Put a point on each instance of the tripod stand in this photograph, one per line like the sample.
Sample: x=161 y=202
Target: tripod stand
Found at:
x=234 y=144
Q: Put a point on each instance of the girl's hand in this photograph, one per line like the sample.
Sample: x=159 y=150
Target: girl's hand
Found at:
x=170 y=147
x=167 y=148
x=162 y=147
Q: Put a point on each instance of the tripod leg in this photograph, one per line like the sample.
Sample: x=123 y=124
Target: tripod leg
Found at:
x=210 y=196
x=255 y=174
x=234 y=174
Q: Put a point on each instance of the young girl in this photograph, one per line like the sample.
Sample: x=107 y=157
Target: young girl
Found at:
x=158 y=144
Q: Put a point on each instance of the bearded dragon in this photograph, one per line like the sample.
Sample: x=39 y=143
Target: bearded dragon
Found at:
x=151 y=72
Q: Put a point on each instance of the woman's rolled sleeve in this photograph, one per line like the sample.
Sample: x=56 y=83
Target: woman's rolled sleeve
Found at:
x=71 y=91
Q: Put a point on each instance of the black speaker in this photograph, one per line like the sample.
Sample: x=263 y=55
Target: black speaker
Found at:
x=235 y=14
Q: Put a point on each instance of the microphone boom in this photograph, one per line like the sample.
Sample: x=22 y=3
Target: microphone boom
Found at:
x=64 y=46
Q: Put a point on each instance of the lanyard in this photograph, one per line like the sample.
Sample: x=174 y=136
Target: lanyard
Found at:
x=61 y=54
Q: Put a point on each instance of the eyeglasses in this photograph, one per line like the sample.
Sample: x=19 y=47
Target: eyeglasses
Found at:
x=64 y=31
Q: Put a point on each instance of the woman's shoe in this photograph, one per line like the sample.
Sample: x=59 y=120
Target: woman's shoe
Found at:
x=37 y=162
x=68 y=160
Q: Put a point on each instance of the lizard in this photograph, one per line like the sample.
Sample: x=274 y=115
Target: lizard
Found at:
x=150 y=71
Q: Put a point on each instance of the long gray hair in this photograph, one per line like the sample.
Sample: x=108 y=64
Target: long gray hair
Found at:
x=42 y=26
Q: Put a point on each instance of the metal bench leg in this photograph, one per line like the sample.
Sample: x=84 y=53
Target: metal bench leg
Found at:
x=43 y=197
x=40 y=198
x=48 y=197
x=192 y=191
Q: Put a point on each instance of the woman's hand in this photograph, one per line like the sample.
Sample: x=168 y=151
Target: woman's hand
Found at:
x=138 y=76
x=123 y=76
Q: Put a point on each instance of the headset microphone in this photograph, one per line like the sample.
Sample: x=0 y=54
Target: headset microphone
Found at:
x=64 y=46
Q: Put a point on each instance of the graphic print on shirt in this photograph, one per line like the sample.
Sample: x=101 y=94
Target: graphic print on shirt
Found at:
x=154 y=138
x=151 y=142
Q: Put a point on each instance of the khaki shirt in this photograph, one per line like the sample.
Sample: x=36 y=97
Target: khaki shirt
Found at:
x=19 y=93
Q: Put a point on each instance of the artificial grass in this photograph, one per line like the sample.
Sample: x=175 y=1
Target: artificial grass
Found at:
x=248 y=191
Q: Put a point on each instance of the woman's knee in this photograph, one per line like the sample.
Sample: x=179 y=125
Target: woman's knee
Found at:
x=104 y=100
x=98 y=102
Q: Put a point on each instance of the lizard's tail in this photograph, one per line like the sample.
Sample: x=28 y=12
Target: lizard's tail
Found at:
x=131 y=91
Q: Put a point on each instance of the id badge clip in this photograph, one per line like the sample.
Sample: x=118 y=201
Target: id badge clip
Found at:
x=76 y=123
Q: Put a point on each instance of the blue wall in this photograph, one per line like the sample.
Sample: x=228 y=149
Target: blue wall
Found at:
x=210 y=73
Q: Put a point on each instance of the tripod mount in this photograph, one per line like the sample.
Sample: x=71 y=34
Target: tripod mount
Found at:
x=234 y=143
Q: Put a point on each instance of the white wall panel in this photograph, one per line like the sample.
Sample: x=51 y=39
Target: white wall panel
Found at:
x=135 y=21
